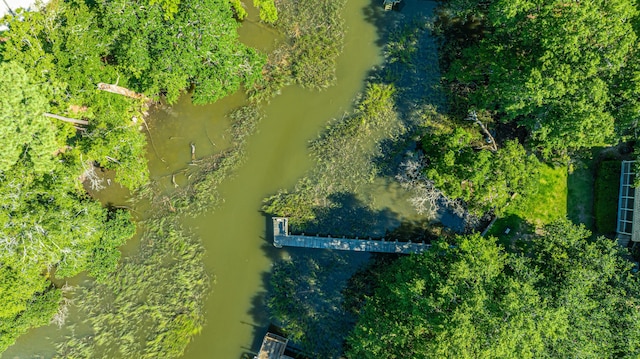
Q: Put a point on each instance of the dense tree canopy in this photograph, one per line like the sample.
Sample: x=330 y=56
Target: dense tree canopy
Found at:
x=199 y=45
x=47 y=220
x=49 y=225
x=51 y=61
x=565 y=296
x=464 y=164
x=68 y=64
x=483 y=179
x=559 y=68
x=26 y=135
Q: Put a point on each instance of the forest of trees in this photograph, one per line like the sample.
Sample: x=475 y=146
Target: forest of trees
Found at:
x=550 y=80
x=58 y=129
x=561 y=296
x=565 y=71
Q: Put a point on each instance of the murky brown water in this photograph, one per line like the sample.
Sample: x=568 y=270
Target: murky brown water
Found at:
x=276 y=156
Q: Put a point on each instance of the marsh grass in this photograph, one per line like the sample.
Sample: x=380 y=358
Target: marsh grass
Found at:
x=354 y=150
x=314 y=31
x=344 y=156
x=153 y=304
x=306 y=296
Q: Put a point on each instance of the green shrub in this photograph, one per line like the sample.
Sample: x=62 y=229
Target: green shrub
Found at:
x=606 y=196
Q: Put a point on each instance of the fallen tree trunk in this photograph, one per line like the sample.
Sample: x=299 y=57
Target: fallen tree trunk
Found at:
x=492 y=144
x=121 y=91
x=67 y=119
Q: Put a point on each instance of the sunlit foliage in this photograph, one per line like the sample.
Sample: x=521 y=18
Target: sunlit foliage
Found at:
x=26 y=135
x=564 y=296
x=199 y=46
x=461 y=165
x=564 y=70
x=268 y=11
x=51 y=60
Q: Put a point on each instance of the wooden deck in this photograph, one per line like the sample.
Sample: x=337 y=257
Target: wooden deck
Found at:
x=273 y=347
x=282 y=238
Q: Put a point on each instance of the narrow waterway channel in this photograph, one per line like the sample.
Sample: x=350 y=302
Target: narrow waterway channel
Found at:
x=276 y=156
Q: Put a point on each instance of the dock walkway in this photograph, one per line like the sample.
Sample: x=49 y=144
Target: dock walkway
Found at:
x=273 y=347
x=282 y=238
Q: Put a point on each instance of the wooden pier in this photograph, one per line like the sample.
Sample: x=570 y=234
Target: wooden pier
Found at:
x=282 y=238
x=273 y=347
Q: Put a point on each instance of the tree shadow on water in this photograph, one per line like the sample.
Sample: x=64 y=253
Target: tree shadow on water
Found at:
x=348 y=216
x=410 y=51
x=411 y=66
x=303 y=293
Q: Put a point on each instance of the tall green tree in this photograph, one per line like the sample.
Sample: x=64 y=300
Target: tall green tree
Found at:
x=49 y=225
x=62 y=48
x=554 y=66
x=565 y=296
x=463 y=166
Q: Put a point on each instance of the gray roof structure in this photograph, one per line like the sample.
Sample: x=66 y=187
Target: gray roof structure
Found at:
x=628 y=204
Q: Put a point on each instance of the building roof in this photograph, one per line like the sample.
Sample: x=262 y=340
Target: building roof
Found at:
x=628 y=204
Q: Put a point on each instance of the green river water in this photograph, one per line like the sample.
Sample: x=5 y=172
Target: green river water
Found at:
x=238 y=255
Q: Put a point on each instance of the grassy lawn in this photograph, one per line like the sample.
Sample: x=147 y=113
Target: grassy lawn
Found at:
x=587 y=195
x=544 y=206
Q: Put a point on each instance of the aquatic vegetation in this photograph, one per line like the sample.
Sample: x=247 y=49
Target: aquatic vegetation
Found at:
x=152 y=305
x=200 y=193
x=306 y=299
x=315 y=37
x=344 y=155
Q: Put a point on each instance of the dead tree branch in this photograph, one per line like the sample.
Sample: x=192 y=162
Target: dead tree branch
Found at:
x=121 y=91
x=473 y=116
x=67 y=119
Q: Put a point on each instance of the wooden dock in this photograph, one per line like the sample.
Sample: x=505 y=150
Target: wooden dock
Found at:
x=282 y=238
x=273 y=347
